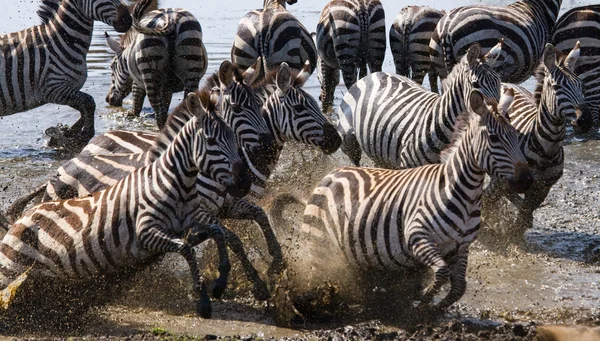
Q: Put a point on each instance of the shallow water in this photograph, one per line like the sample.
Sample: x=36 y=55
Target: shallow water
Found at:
x=551 y=273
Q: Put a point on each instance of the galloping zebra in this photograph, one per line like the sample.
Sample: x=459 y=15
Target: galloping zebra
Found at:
x=144 y=215
x=525 y=26
x=392 y=219
x=541 y=120
x=275 y=35
x=400 y=124
x=409 y=41
x=46 y=63
x=350 y=35
x=161 y=55
x=583 y=24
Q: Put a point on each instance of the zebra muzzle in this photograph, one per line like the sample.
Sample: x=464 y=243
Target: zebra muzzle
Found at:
x=240 y=186
x=583 y=121
x=331 y=140
x=522 y=179
x=123 y=21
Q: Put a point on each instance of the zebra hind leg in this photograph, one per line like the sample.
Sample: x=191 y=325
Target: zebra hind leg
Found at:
x=427 y=253
x=138 y=95
x=331 y=78
x=78 y=135
x=243 y=209
x=457 y=279
x=351 y=148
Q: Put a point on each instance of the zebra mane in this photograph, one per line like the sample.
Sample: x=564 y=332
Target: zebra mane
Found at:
x=459 y=130
x=47 y=9
x=540 y=74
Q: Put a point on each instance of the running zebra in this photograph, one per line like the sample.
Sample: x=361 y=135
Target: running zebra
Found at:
x=350 y=36
x=144 y=215
x=409 y=41
x=276 y=36
x=541 y=119
x=161 y=55
x=400 y=124
x=582 y=24
x=525 y=27
x=46 y=63
x=380 y=219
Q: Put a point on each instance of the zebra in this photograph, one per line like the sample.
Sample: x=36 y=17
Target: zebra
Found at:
x=350 y=35
x=399 y=124
x=381 y=219
x=144 y=215
x=580 y=24
x=274 y=34
x=162 y=54
x=541 y=120
x=525 y=26
x=46 y=63
x=409 y=41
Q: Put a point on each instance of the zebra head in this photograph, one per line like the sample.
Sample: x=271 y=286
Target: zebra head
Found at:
x=475 y=72
x=497 y=142
x=560 y=90
x=217 y=152
x=294 y=114
x=111 y=12
x=120 y=81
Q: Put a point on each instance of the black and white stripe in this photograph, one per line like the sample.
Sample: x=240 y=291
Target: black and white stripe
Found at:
x=409 y=41
x=541 y=119
x=350 y=36
x=161 y=55
x=582 y=24
x=276 y=36
x=46 y=63
x=400 y=124
x=144 y=215
x=380 y=219
x=525 y=27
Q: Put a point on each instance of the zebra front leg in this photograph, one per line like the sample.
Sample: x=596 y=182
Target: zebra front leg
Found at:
x=83 y=129
x=245 y=210
x=165 y=102
x=215 y=231
x=138 y=95
x=458 y=273
x=158 y=241
x=260 y=290
x=427 y=253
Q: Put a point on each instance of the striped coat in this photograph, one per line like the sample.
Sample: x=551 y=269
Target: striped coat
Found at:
x=46 y=63
x=525 y=27
x=350 y=36
x=143 y=215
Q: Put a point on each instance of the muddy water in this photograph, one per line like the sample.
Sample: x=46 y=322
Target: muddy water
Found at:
x=554 y=277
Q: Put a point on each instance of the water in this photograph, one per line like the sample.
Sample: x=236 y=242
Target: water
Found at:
x=551 y=275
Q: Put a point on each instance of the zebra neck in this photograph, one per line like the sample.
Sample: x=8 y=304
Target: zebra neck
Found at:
x=76 y=34
x=448 y=107
x=548 y=129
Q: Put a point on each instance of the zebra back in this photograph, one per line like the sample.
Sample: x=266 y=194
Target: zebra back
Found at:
x=581 y=24
x=531 y=22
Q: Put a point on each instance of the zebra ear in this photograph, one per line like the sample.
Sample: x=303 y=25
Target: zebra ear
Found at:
x=193 y=103
x=284 y=77
x=113 y=44
x=549 y=56
x=571 y=59
x=252 y=74
x=492 y=56
x=313 y=35
x=473 y=54
x=477 y=103
x=303 y=75
x=225 y=73
x=506 y=100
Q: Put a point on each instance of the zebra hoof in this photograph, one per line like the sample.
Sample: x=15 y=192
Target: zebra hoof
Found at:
x=260 y=291
x=218 y=288
x=276 y=268
x=204 y=307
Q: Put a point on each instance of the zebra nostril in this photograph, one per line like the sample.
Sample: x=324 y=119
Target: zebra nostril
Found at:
x=123 y=20
x=522 y=178
x=583 y=119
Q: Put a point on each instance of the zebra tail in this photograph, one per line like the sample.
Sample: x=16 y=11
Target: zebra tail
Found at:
x=279 y=204
x=16 y=209
x=403 y=62
x=363 y=21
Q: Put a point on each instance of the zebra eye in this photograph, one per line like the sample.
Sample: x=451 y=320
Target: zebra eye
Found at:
x=211 y=140
x=298 y=107
x=236 y=108
x=494 y=138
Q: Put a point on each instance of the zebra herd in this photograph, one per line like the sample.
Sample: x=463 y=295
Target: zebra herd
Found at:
x=129 y=197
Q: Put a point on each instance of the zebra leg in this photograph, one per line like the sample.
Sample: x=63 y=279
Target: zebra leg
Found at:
x=534 y=198
x=245 y=210
x=165 y=102
x=83 y=129
x=351 y=148
x=138 y=95
x=433 y=80
x=156 y=240
x=260 y=290
x=201 y=232
x=427 y=253
x=457 y=279
x=331 y=78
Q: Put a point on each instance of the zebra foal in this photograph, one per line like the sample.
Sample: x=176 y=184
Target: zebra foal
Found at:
x=409 y=41
x=46 y=63
x=582 y=24
x=400 y=124
x=426 y=216
x=350 y=36
x=146 y=214
x=525 y=27
x=161 y=55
